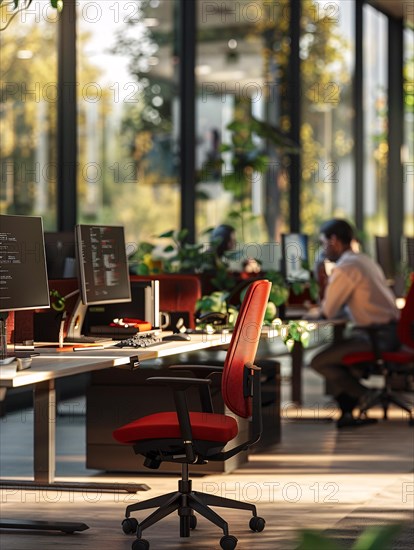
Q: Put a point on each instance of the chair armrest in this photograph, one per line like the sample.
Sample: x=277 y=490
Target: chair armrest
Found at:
x=179 y=383
x=204 y=370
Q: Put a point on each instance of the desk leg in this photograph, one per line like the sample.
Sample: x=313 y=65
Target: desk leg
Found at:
x=296 y=362
x=44 y=403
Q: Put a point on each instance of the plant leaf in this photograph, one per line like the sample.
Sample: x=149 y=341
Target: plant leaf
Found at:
x=167 y=235
x=377 y=538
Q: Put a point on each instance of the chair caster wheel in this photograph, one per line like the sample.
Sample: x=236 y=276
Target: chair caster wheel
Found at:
x=228 y=542
x=193 y=522
x=257 y=524
x=129 y=525
x=140 y=544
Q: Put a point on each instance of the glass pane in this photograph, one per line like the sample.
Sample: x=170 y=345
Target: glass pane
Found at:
x=241 y=67
x=327 y=65
x=127 y=121
x=408 y=152
x=375 y=123
x=28 y=113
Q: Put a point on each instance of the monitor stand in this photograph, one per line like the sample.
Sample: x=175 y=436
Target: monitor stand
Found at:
x=76 y=322
x=74 y=334
x=5 y=359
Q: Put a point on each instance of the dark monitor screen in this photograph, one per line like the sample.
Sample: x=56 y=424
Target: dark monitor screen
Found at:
x=295 y=256
x=60 y=254
x=102 y=263
x=23 y=275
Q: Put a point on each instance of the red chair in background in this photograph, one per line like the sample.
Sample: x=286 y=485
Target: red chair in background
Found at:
x=389 y=363
x=196 y=437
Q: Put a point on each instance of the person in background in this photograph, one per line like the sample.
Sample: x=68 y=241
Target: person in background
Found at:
x=356 y=286
x=222 y=240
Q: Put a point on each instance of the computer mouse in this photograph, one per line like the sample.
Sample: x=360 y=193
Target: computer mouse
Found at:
x=177 y=336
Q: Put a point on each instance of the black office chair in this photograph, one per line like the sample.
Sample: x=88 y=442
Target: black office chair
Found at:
x=188 y=437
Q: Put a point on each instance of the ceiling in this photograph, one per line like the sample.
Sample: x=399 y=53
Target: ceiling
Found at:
x=397 y=8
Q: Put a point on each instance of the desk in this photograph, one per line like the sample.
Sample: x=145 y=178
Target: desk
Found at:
x=50 y=365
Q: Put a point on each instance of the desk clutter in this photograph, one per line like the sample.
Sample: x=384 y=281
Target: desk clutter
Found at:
x=141 y=340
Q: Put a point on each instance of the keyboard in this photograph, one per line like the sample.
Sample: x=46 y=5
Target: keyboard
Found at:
x=140 y=341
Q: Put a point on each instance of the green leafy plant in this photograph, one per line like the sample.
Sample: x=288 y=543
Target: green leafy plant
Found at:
x=293 y=331
x=182 y=256
x=248 y=159
x=217 y=302
x=279 y=292
x=373 y=538
x=142 y=262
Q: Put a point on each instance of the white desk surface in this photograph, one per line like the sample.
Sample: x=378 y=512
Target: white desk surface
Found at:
x=51 y=364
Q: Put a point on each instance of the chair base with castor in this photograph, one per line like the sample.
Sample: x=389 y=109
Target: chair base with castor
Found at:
x=385 y=398
x=186 y=501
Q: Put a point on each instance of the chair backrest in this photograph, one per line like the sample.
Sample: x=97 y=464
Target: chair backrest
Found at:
x=243 y=347
x=406 y=323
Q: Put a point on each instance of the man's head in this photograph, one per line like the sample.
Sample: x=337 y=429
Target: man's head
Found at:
x=224 y=237
x=336 y=236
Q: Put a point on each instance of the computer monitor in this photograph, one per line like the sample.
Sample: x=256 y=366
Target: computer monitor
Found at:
x=295 y=256
x=23 y=274
x=60 y=254
x=102 y=263
x=102 y=271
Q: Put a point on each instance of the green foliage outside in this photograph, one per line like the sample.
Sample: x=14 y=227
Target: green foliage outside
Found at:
x=373 y=538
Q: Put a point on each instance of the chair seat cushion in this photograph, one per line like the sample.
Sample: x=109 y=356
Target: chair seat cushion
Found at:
x=359 y=357
x=400 y=356
x=205 y=426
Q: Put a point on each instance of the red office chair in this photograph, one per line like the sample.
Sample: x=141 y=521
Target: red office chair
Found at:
x=390 y=362
x=196 y=437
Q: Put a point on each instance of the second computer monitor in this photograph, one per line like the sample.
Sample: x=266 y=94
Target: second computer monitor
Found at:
x=102 y=264
x=295 y=257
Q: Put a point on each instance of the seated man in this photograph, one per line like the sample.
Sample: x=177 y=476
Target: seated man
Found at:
x=357 y=286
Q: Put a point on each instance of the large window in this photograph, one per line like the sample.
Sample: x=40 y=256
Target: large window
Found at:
x=327 y=65
x=408 y=152
x=127 y=116
x=242 y=56
x=375 y=122
x=28 y=113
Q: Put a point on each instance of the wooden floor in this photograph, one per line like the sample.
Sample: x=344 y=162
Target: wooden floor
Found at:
x=318 y=477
